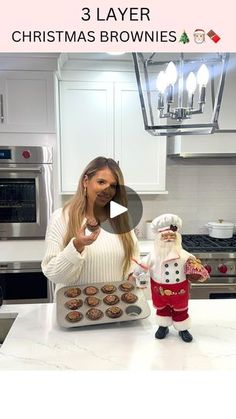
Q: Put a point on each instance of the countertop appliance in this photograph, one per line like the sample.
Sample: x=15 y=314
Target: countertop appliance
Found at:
x=25 y=191
x=24 y=282
x=219 y=258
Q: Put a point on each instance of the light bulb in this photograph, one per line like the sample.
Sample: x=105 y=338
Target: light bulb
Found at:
x=203 y=75
x=191 y=83
x=161 y=83
x=171 y=73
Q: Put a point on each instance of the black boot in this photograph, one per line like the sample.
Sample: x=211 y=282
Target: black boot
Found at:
x=186 y=336
x=161 y=332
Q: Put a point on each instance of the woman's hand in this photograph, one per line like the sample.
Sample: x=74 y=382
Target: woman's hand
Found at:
x=82 y=240
x=131 y=277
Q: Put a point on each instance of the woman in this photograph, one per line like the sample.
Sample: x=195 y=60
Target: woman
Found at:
x=76 y=256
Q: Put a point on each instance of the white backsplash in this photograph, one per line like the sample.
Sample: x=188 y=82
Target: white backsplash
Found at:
x=199 y=191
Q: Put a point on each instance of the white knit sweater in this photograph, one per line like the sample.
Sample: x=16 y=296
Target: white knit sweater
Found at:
x=99 y=262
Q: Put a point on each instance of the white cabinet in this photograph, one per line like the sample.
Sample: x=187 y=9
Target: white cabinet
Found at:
x=27 y=101
x=86 y=124
x=142 y=156
x=104 y=119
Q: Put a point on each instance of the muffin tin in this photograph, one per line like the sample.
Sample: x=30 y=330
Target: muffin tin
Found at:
x=128 y=311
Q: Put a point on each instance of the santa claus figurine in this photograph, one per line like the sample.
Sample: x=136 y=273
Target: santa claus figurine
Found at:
x=170 y=268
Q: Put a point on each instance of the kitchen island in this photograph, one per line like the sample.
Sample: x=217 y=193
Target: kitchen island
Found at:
x=35 y=342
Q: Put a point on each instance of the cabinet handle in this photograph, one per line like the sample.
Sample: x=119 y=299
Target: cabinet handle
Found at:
x=1 y=109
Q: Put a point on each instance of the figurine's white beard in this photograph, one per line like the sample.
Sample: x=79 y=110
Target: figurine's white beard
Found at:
x=167 y=250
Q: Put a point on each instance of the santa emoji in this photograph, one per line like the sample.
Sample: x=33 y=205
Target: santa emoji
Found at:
x=170 y=268
x=199 y=36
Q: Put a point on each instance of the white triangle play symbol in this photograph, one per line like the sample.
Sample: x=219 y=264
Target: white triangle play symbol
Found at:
x=116 y=209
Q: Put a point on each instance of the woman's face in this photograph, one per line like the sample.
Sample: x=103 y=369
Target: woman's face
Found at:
x=101 y=188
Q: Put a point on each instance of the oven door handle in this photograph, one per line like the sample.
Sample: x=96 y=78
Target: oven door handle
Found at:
x=212 y=284
x=21 y=169
x=2 y=109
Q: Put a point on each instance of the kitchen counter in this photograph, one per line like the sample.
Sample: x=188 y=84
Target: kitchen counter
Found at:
x=35 y=342
x=21 y=250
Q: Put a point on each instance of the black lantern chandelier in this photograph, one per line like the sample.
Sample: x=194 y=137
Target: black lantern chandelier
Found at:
x=182 y=95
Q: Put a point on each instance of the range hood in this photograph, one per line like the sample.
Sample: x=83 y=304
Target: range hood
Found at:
x=221 y=144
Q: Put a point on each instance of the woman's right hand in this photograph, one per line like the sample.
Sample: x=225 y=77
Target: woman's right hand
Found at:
x=83 y=240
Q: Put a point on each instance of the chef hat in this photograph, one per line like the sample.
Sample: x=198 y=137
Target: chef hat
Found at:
x=166 y=222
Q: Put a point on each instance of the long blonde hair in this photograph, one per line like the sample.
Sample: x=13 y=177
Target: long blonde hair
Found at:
x=76 y=207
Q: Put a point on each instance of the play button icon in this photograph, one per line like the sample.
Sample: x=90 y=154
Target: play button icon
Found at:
x=124 y=211
x=116 y=209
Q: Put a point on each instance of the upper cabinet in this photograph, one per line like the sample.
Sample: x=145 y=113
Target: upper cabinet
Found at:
x=142 y=156
x=27 y=101
x=101 y=116
x=86 y=125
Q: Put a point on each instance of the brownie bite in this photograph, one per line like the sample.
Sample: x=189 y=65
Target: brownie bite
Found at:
x=126 y=286
x=73 y=304
x=94 y=314
x=92 y=301
x=92 y=224
x=74 y=316
x=90 y=290
x=129 y=297
x=72 y=292
x=108 y=288
x=111 y=299
x=114 y=312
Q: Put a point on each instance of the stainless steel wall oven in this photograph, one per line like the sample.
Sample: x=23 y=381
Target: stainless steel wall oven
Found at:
x=25 y=191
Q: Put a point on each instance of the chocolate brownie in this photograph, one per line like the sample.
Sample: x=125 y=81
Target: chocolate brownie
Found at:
x=73 y=304
x=129 y=297
x=74 y=316
x=94 y=314
x=92 y=224
x=92 y=301
x=126 y=286
x=114 y=312
x=111 y=299
x=108 y=289
x=72 y=292
x=90 y=290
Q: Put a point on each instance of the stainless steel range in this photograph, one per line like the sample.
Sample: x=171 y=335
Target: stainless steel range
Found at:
x=219 y=258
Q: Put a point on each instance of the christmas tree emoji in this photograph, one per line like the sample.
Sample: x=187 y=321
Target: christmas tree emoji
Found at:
x=184 y=38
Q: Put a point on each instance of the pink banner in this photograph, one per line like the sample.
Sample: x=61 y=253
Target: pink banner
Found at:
x=147 y=25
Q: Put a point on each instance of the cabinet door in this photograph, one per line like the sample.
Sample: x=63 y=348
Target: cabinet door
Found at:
x=86 y=122
x=27 y=101
x=142 y=156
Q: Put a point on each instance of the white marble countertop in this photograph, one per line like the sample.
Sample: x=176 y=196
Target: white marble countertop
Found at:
x=21 y=250
x=35 y=342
